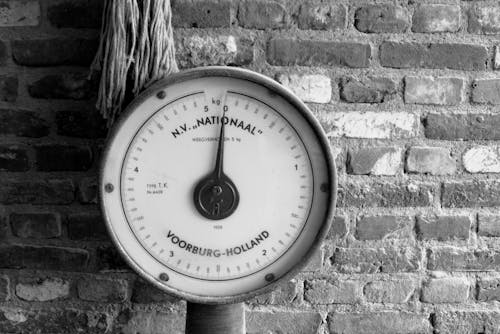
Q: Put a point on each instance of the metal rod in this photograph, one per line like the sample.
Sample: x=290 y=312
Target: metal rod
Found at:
x=215 y=319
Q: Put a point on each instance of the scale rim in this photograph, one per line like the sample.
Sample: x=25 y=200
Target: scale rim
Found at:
x=275 y=88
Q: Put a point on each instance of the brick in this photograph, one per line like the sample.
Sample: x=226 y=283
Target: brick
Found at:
x=104 y=290
x=391 y=291
x=285 y=294
x=434 y=91
x=484 y=19
x=197 y=50
x=322 y=16
x=149 y=321
x=38 y=225
x=488 y=289
x=49 y=191
x=456 y=259
x=466 y=57
x=43 y=258
x=482 y=159
x=4 y=228
x=81 y=124
x=309 y=88
x=471 y=194
x=379 y=125
x=76 y=158
x=4 y=288
x=430 y=160
x=462 y=127
x=496 y=58
x=43 y=289
x=22 y=123
x=389 y=322
x=282 y=322
x=202 y=14
x=54 y=52
x=262 y=14
x=383 y=18
x=446 y=290
x=443 y=228
x=375 y=161
x=3 y=53
x=432 y=18
x=466 y=321
x=385 y=194
x=108 y=258
x=14 y=158
x=375 y=260
x=489 y=225
x=75 y=13
x=321 y=292
x=486 y=91
x=88 y=189
x=289 y=52
x=8 y=88
x=52 y=320
x=145 y=293
x=367 y=90
x=87 y=225
x=19 y=13
x=383 y=227
x=74 y=86
x=338 y=229
x=315 y=262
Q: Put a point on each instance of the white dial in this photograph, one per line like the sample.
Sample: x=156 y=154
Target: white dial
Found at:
x=221 y=186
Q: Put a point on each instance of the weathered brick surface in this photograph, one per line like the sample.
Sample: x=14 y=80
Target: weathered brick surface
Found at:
x=87 y=225
x=23 y=124
x=338 y=229
x=456 y=259
x=390 y=322
x=375 y=161
x=471 y=194
x=391 y=291
x=381 y=18
x=52 y=52
x=103 y=290
x=88 y=190
x=322 y=16
x=466 y=321
x=75 y=13
x=74 y=86
x=489 y=225
x=332 y=292
x=466 y=57
x=8 y=88
x=367 y=90
x=4 y=288
x=262 y=14
x=49 y=191
x=36 y=225
x=482 y=159
x=81 y=124
x=108 y=258
x=488 y=289
x=14 y=158
x=43 y=258
x=284 y=322
x=446 y=290
x=76 y=158
x=375 y=260
x=462 y=127
x=381 y=125
x=43 y=289
x=309 y=88
x=431 y=160
x=385 y=194
x=484 y=19
x=19 y=13
x=202 y=14
x=432 y=18
x=289 y=52
x=436 y=91
x=443 y=228
x=383 y=227
x=287 y=293
x=145 y=293
x=486 y=91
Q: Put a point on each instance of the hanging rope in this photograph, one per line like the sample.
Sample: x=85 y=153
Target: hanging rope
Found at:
x=136 y=49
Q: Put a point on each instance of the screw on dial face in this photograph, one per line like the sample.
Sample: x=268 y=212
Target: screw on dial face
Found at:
x=216 y=196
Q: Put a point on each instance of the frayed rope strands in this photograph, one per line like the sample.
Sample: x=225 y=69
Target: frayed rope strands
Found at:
x=136 y=48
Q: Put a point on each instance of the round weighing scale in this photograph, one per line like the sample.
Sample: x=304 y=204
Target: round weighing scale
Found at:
x=217 y=184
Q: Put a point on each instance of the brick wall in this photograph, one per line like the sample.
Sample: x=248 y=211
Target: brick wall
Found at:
x=408 y=93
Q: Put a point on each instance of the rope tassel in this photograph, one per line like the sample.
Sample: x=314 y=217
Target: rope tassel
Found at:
x=136 y=49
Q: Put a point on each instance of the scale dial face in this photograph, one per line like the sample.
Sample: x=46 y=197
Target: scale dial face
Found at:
x=217 y=183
